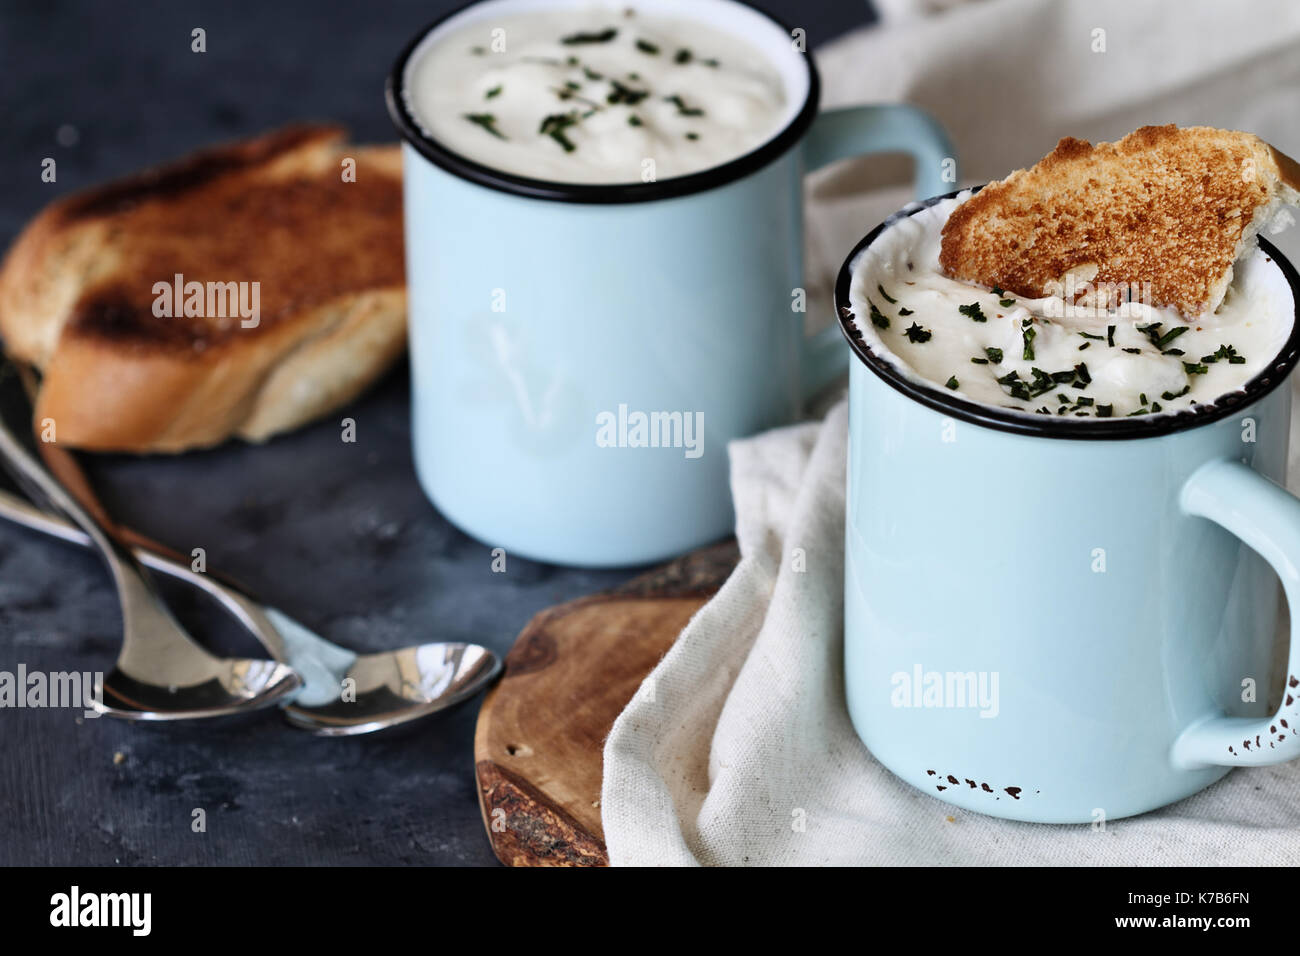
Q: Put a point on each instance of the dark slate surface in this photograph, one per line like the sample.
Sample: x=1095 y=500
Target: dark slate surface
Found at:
x=338 y=535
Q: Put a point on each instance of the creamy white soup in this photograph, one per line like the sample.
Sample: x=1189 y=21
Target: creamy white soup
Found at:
x=595 y=94
x=1049 y=356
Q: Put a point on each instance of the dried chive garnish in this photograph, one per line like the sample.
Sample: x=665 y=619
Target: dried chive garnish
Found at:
x=995 y=355
x=486 y=120
x=1225 y=352
x=878 y=318
x=1170 y=336
x=682 y=108
x=1043 y=382
x=682 y=56
x=555 y=126
x=625 y=95
x=1170 y=396
x=916 y=334
x=885 y=295
x=645 y=46
x=904 y=311
x=1089 y=335
x=979 y=361
x=1028 y=332
x=494 y=92
x=633 y=120
x=1084 y=346
x=1110 y=335
x=576 y=39
x=952 y=382
x=1134 y=351
x=973 y=311
x=1194 y=368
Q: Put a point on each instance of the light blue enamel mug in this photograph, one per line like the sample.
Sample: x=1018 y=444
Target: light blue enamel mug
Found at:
x=1067 y=621
x=550 y=322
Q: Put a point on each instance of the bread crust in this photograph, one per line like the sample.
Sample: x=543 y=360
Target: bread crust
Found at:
x=78 y=291
x=1168 y=207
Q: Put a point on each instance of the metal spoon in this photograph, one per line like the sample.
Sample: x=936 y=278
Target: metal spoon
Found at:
x=391 y=687
x=161 y=673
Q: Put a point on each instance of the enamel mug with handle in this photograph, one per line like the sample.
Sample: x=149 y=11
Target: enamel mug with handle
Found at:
x=1067 y=621
x=553 y=326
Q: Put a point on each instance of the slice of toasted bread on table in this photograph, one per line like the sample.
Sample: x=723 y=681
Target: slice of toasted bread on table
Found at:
x=1167 y=206
x=243 y=290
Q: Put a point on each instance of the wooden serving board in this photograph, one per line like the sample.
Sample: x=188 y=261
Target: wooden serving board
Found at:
x=542 y=728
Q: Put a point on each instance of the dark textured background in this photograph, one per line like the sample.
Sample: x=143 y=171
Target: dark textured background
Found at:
x=338 y=535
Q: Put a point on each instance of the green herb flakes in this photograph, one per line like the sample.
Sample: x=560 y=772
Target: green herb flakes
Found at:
x=878 y=318
x=682 y=108
x=577 y=39
x=556 y=126
x=1027 y=333
x=486 y=120
x=916 y=334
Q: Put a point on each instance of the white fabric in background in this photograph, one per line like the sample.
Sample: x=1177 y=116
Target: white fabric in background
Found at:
x=739 y=749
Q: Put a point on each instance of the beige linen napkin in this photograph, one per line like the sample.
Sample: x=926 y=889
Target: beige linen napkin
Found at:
x=738 y=749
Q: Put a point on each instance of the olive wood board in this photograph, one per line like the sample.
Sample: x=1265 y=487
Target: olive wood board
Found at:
x=541 y=730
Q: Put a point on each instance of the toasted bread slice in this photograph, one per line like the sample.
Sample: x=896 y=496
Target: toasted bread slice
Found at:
x=87 y=293
x=1167 y=206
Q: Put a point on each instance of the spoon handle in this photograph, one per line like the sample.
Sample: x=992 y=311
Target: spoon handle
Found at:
x=248 y=611
x=155 y=648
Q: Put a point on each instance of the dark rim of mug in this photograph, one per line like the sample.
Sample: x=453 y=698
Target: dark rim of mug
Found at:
x=1140 y=426
x=709 y=178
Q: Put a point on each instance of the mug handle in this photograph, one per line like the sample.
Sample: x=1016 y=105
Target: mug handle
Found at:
x=1266 y=517
x=858 y=131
